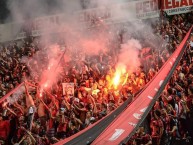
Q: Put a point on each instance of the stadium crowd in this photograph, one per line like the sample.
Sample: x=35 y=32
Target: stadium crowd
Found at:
x=35 y=118
x=170 y=120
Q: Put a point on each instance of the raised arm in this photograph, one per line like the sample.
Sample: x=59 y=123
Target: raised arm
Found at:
x=29 y=99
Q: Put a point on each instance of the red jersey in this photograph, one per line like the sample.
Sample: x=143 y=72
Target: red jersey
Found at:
x=156 y=126
x=4 y=129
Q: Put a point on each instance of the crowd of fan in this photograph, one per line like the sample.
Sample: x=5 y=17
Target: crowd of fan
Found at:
x=35 y=119
x=170 y=120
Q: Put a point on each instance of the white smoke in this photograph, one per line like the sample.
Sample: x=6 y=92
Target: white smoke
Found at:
x=16 y=95
x=78 y=33
x=129 y=55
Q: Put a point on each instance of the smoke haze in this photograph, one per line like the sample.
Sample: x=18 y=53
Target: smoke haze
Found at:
x=128 y=55
x=78 y=35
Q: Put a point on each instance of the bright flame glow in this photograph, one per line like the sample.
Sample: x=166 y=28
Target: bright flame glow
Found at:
x=117 y=79
x=45 y=85
x=125 y=80
x=41 y=93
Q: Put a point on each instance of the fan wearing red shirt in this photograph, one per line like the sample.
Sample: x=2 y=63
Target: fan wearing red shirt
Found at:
x=143 y=138
x=190 y=106
x=157 y=127
x=4 y=128
x=166 y=122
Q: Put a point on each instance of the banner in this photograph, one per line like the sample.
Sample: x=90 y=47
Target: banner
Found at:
x=123 y=12
x=128 y=121
x=115 y=13
x=172 y=7
x=39 y=26
x=147 y=9
x=68 y=89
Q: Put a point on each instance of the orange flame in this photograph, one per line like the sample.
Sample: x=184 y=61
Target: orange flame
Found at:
x=117 y=79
